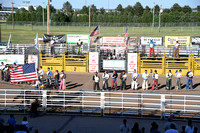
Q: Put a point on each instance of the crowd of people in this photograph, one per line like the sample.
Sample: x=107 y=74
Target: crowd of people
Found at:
x=145 y=84
x=170 y=127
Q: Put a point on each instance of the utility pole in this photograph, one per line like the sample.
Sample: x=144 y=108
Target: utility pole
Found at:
x=43 y=13
x=89 y=19
x=160 y=16
x=12 y=16
x=153 y=14
x=48 y=23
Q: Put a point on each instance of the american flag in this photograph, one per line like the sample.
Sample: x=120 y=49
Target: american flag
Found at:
x=125 y=36
x=95 y=31
x=23 y=73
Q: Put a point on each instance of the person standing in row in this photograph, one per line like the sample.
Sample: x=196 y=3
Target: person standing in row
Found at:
x=155 y=80
x=134 y=83
x=2 y=70
x=79 y=44
x=178 y=80
x=114 y=77
x=96 y=81
x=151 y=45
x=41 y=73
x=62 y=78
x=145 y=83
x=56 y=79
x=169 y=76
x=189 y=79
x=176 y=50
x=49 y=75
x=123 y=78
x=105 y=78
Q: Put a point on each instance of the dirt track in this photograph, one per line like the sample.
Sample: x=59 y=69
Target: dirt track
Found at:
x=83 y=81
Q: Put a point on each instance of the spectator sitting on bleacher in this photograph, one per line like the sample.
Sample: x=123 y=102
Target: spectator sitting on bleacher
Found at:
x=25 y=122
x=172 y=129
x=41 y=73
x=119 y=57
x=109 y=57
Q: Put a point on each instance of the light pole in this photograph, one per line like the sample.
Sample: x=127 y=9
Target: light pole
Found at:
x=160 y=16
x=89 y=19
x=153 y=14
x=43 y=13
x=48 y=23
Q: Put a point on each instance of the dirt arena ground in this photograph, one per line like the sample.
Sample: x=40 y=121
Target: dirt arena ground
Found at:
x=83 y=81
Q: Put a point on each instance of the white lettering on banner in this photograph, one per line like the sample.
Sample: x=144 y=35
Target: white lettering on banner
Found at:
x=74 y=38
x=132 y=62
x=93 y=62
x=33 y=59
x=10 y=59
x=146 y=40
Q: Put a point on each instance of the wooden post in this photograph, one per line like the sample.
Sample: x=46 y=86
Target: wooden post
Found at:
x=48 y=23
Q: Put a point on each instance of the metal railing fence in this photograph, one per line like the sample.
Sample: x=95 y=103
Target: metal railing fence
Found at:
x=137 y=104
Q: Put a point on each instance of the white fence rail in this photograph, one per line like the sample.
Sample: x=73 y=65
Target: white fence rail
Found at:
x=102 y=103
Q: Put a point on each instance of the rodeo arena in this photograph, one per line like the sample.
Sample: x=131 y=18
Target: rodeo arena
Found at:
x=86 y=83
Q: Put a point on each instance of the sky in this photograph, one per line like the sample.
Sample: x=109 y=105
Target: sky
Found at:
x=106 y=4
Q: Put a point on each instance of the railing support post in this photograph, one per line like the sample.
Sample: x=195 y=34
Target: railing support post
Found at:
x=102 y=103
x=44 y=101
x=162 y=104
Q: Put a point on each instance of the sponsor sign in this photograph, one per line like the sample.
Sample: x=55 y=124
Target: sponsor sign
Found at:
x=114 y=64
x=132 y=62
x=74 y=38
x=93 y=62
x=132 y=41
x=196 y=40
x=33 y=59
x=182 y=40
x=146 y=40
x=10 y=59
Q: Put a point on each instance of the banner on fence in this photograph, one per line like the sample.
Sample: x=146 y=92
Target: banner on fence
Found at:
x=132 y=41
x=93 y=62
x=74 y=38
x=114 y=64
x=10 y=59
x=132 y=62
x=113 y=41
x=196 y=40
x=33 y=59
x=146 y=40
x=57 y=39
x=182 y=40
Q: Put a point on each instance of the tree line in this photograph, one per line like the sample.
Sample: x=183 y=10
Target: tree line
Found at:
x=130 y=14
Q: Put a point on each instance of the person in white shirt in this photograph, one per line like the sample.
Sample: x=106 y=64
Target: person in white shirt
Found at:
x=145 y=83
x=105 y=78
x=169 y=76
x=124 y=128
x=155 y=80
x=96 y=81
x=176 y=49
x=178 y=80
x=52 y=46
x=134 y=83
x=2 y=70
x=189 y=128
x=25 y=122
x=41 y=73
x=189 y=79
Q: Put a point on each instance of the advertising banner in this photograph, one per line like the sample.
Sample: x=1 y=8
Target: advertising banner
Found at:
x=33 y=59
x=93 y=62
x=132 y=41
x=182 y=40
x=10 y=59
x=74 y=38
x=146 y=40
x=114 y=65
x=113 y=41
x=57 y=38
x=196 y=40
x=132 y=62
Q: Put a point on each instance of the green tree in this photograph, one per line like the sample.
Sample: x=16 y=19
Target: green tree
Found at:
x=138 y=9
x=186 y=9
x=31 y=9
x=102 y=10
x=119 y=8
x=128 y=9
x=176 y=8
x=93 y=9
x=39 y=9
x=157 y=9
x=147 y=9
x=67 y=7
x=23 y=10
x=84 y=10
